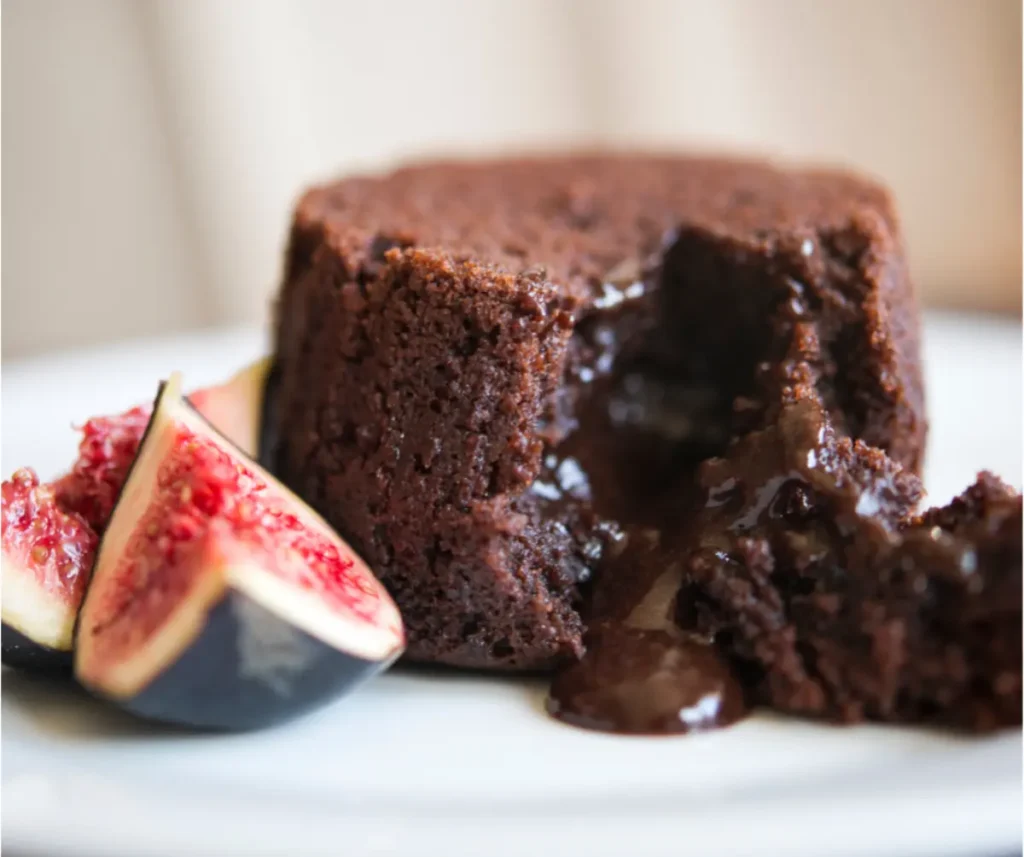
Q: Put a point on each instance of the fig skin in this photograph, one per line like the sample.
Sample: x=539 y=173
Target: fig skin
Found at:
x=269 y=441
x=211 y=686
x=91 y=487
x=236 y=630
x=24 y=653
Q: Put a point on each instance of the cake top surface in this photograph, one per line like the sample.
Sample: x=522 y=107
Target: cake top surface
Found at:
x=588 y=219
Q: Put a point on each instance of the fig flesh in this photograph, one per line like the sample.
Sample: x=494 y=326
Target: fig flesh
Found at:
x=218 y=599
x=105 y=454
x=50 y=531
x=47 y=556
x=235 y=407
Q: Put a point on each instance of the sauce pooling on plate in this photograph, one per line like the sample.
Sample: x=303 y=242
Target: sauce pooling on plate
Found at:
x=642 y=674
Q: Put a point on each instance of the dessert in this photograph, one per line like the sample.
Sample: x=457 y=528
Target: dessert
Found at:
x=218 y=599
x=486 y=372
x=665 y=411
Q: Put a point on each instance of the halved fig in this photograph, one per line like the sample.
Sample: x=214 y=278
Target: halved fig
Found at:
x=47 y=555
x=218 y=598
x=50 y=531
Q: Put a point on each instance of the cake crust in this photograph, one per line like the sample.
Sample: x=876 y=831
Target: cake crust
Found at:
x=459 y=348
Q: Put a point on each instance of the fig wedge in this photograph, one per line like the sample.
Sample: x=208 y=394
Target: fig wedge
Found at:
x=218 y=599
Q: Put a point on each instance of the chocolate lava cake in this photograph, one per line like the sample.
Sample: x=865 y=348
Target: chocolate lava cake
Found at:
x=484 y=367
x=497 y=379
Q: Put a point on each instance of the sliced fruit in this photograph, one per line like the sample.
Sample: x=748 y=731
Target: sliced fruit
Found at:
x=235 y=407
x=43 y=580
x=105 y=454
x=218 y=598
x=47 y=555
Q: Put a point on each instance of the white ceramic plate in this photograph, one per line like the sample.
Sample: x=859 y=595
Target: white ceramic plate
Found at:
x=447 y=764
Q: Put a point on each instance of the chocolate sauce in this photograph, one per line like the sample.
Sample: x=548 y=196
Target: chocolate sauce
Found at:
x=647 y=683
x=642 y=674
x=648 y=426
x=762 y=554
x=655 y=431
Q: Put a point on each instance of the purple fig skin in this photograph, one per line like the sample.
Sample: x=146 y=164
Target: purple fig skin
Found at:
x=304 y=674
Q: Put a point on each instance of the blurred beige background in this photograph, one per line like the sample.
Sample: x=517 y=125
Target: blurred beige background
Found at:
x=152 y=148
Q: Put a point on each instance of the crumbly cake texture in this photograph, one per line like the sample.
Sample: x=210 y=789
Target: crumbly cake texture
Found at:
x=484 y=369
x=834 y=600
